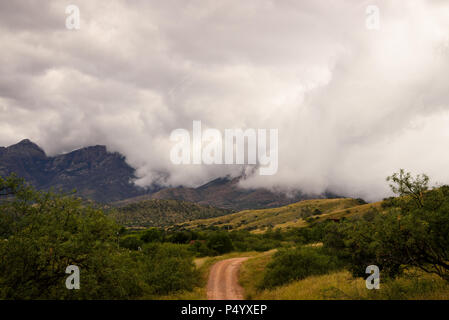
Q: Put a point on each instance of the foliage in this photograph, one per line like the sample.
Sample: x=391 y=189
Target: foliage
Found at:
x=220 y=242
x=43 y=233
x=413 y=233
x=169 y=268
x=295 y=264
x=152 y=235
x=161 y=213
x=403 y=184
x=131 y=242
x=208 y=242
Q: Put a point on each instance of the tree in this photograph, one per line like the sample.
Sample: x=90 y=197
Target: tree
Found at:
x=41 y=233
x=220 y=242
x=403 y=184
x=131 y=242
x=412 y=233
x=152 y=235
x=169 y=268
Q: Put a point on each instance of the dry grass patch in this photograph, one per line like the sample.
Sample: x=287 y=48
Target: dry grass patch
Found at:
x=342 y=286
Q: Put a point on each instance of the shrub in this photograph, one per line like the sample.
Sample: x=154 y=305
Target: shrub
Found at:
x=169 y=268
x=152 y=235
x=131 y=242
x=200 y=249
x=220 y=242
x=296 y=264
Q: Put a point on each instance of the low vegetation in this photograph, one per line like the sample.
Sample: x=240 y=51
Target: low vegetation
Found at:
x=162 y=213
x=341 y=285
x=204 y=243
x=296 y=264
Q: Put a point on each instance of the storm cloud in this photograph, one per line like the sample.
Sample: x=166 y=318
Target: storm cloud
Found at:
x=352 y=105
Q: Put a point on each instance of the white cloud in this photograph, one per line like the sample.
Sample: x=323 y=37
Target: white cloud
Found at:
x=351 y=105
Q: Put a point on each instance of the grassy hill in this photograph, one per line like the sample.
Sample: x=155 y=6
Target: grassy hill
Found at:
x=161 y=213
x=188 y=215
x=298 y=214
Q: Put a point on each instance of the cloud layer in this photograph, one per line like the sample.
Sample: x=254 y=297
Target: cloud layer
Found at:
x=352 y=105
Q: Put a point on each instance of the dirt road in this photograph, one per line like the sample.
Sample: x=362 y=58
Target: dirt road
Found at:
x=223 y=281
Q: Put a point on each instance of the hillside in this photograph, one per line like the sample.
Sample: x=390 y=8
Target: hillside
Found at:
x=293 y=215
x=161 y=213
x=226 y=193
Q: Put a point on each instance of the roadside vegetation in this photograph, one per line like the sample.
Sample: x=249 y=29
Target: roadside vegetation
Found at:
x=211 y=242
x=315 y=249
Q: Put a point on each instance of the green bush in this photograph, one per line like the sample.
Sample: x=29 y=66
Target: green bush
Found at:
x=200 y=249
x=220 y=242
x=169 y=268
x=152 y=235
x=131 y=242
x=296 y=264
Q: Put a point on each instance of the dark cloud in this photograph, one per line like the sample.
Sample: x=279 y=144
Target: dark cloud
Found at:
x=24 y=15
x=351 y=105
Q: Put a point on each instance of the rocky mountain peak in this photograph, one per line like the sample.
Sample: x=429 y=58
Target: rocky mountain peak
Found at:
x=93 y=171
x=25 y=148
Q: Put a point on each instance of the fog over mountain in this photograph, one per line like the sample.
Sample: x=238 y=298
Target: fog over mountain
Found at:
x=352 y=105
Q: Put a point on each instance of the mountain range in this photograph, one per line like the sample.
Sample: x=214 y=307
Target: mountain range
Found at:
x=105 y=177
x=93 y=171
x=224 y=193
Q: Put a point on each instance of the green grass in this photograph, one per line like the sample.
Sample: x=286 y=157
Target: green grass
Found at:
x=252 y=272
x=341 y=285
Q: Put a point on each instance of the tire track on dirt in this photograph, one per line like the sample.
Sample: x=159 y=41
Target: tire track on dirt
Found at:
x=223 y=283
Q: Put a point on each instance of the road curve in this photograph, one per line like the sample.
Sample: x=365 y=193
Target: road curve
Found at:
x=223 y=281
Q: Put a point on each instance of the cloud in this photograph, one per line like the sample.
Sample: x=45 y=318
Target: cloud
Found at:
x=351 y=105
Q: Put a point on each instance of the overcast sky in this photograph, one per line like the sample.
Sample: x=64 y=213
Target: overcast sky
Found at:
x=352 y=105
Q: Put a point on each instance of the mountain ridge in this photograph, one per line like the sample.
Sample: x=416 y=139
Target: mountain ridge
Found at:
x=93 y=171
x=105 y=177
x=225 y=193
